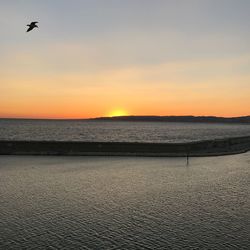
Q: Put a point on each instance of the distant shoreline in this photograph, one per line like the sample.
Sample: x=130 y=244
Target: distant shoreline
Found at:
x=217 y=147
x=185 y=119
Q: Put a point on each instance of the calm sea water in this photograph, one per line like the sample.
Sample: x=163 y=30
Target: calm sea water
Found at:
x=124 y=203
x=117 y=131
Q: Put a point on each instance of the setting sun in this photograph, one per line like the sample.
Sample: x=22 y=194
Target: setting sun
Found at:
x=117 y=112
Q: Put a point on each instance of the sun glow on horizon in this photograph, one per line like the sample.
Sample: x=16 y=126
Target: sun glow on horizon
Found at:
x=117 y=112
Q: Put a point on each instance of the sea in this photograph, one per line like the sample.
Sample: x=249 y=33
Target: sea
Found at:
x=103 y=131
x=59 y=202
x=124 y=202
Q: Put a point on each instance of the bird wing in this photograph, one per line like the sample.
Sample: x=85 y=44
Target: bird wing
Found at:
x=33 y=23
x=29 y=29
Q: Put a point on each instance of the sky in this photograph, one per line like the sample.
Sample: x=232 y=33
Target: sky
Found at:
x=92 y=58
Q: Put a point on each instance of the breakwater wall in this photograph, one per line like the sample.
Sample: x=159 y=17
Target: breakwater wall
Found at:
x=74 y=148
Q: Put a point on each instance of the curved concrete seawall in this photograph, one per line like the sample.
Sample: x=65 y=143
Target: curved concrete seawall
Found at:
x=199 y=148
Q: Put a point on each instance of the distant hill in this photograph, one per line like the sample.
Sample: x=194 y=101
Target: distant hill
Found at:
x=205 y=119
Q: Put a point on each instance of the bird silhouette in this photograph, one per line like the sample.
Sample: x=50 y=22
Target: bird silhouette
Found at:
x=32 y=25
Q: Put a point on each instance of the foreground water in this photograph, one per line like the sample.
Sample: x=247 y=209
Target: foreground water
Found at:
x=124 y=203
x=117 y=131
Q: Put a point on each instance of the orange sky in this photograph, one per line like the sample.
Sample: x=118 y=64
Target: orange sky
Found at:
x=167 y=89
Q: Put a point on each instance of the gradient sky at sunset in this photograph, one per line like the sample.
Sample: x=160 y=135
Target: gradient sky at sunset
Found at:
x=109 y=57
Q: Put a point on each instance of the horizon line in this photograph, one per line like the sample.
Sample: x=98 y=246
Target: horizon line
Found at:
x=122 y=116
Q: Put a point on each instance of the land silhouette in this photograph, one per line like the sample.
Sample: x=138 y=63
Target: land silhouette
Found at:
x=205 y=119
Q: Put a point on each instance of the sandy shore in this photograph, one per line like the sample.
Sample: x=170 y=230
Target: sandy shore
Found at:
x=200 y=148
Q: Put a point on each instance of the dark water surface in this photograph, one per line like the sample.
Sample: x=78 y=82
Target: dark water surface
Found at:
x=117 y=131
x=124 y=203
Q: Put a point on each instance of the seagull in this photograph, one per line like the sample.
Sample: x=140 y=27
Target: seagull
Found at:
x=32 y=25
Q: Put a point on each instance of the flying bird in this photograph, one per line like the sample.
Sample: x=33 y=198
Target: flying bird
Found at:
x=32 y=25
